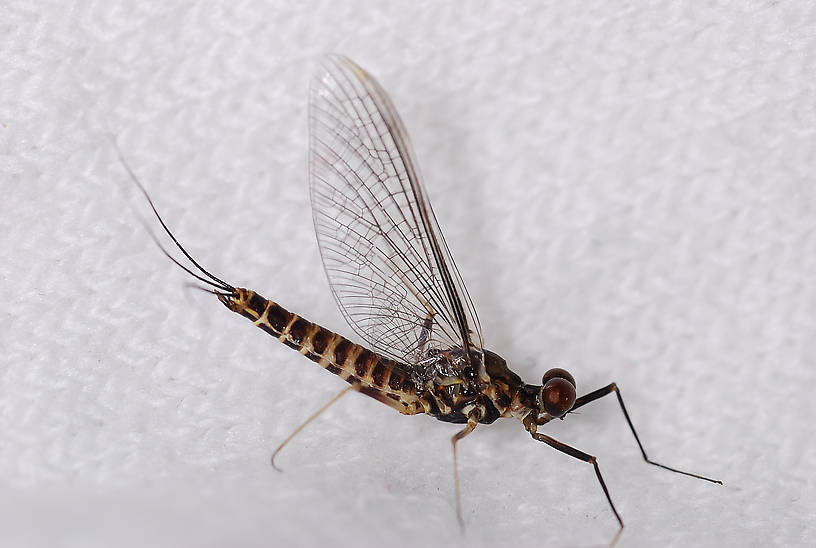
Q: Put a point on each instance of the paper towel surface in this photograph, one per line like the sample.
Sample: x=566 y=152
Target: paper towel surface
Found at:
x=628 y=192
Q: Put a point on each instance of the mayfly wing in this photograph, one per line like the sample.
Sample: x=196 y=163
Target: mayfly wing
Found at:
x=385 y=257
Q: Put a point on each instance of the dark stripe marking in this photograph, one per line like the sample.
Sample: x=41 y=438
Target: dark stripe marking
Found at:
x=320 y=340
x=341 y=351
x=378 y=374
x=277 y=317
x=257 y=304
x=360 y=366
x=434 y=407
x=298 y=330
x=395 y=382
x=333 y=369
x=366 y=356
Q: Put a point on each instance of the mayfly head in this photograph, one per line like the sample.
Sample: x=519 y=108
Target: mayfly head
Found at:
x=557 y=394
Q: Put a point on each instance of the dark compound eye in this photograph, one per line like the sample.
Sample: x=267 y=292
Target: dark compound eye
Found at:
x=557 y=396
x=557 y=373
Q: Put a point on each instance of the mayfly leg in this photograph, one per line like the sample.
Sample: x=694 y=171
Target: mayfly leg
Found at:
x=613 y=387
x=473 y=418
x=354 y=387
x=580 y=455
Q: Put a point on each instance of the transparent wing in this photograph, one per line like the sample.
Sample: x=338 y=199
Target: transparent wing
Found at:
x=387 y=262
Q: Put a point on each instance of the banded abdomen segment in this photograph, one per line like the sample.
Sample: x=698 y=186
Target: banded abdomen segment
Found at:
x=381 y=378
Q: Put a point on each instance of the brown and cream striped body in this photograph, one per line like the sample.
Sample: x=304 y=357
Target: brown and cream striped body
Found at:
x=383 y=379
x=449 y=399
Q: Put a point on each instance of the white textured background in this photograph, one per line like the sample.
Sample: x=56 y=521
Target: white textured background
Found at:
x=629 y=193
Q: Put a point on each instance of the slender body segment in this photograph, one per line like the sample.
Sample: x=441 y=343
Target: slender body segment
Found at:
x=395 y=281
x=383 y=379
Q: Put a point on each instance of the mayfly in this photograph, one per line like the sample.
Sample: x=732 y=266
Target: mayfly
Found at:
x=396 y=284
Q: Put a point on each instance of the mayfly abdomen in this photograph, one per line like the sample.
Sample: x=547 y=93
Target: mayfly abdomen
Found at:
x=383 y=379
